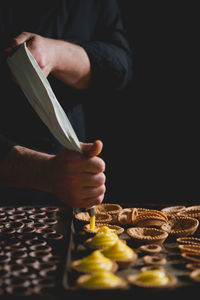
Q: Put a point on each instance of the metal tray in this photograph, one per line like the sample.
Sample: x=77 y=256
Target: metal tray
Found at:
x=59 y=250
x=175 y=265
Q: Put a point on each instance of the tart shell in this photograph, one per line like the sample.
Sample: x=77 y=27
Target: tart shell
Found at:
x=80 y=284
x=116 y=229
x=112 y=209
x=132 y=279
x=179 y=226
x=142 y=235
x=75 y=263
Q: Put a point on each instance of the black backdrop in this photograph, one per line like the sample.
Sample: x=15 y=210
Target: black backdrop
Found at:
x=151 y=130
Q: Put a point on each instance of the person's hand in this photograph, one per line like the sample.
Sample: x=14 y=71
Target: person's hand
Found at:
x=79 y=179
x=66 y=61
x=41 y=48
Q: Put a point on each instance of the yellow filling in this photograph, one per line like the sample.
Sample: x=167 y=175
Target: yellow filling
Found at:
x=96 y=261
x=102 y=279
x=104 y=229
x=154 y=277
x=118 y=251
x=92 y=223
x=102 y=239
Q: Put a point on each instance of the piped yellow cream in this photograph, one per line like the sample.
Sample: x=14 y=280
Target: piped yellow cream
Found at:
x=153 y=277
x=104 y=229
x=105 y=238
x=119 y=251
x=96 y=261
x=92 y=223
x=102 y=279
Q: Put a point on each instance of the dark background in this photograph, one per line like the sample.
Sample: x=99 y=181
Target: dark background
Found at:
x=150 y=130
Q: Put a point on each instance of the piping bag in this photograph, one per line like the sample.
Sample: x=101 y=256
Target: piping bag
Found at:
x=41 y=97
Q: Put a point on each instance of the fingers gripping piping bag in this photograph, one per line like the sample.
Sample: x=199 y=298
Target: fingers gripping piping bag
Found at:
x=41 y=97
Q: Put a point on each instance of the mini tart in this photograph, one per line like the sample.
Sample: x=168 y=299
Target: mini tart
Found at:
x=126 y=216
x=154 y=260
x=146 y=212
x=101 y=240
x=114 y=228
x=121 y=253
x=153 y=279
x=193 y=266
x=188 y=240
x=142 y=235
x=189 y=249
x=150 y=219
x=112 y=209
x=193 y=207
x=152 y=267
x=100 y=281
x=191 y=257
x=150 y=248
x=94 y=262
x=192 y=212
x=84 y=217
x=179 y=226
x=195 y=275
x=173 y=210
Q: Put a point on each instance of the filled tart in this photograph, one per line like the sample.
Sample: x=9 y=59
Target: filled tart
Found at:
x=103 y=280
x=121 y=253
x=101 y=240
x=102 y=226
x=156 y=278
x=94 y=262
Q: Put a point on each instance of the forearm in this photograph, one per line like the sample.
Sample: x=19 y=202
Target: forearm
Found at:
x=25 y=168
x=72 y=65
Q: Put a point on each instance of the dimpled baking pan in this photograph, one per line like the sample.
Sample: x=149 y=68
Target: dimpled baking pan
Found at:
x=169 y=253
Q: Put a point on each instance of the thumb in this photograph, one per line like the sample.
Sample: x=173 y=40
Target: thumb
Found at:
x=92 y=149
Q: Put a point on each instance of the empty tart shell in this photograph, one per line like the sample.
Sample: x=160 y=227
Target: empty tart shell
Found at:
x=133 y=279
x=84 y=218
x=173 y=210
x=152 y=267
x=188 y=240
x=189 y=249
x=115 y=228
x=150 y=218
x=112 y=209
x=143 y=235
x=154 y=260
x=150 y=248
x=178 y=226
x=193 y=207
x=126 y=216
x=152 y=212
x=195 y=275
x=192 y=212
x=191 y=257
x=193 y=266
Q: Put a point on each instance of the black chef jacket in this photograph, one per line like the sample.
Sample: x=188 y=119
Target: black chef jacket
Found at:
x=95 y=25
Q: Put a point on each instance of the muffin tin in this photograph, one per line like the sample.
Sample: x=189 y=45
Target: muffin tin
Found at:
x=169 y=255
x=33 y=247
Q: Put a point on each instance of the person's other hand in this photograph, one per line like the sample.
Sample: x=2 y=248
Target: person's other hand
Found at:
x=79 y=179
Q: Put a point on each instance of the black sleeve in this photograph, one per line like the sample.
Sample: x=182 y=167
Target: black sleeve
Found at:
x=110 y=54
x=5 y=146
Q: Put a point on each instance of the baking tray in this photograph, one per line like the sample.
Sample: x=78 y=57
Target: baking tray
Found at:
x=175 y=265
x=59 y=251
